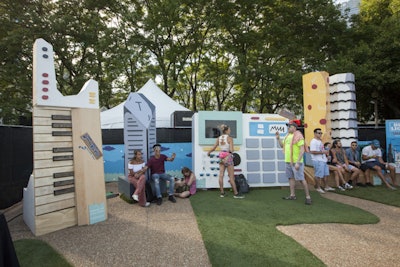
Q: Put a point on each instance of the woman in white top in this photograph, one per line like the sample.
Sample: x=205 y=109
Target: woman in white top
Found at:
x=137 y=169
x=225 y=143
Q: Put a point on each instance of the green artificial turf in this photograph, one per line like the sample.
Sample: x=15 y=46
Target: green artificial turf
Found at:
x=380 y=194
x=37 y=253
x=242 y=232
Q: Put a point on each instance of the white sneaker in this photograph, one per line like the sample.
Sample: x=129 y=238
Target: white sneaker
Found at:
x=320 y=190
x=328 y=188
x=348 y=186
x=147 y=204
x=135 y=197
x=341 y=188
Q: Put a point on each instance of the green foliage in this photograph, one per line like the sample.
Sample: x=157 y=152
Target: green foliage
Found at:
x=242 y=232
x=373 y=54
x=208 y=55
x=37 y=253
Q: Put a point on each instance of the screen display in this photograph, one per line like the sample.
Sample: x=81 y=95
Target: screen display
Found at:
x=209 y=123
x=213 y=128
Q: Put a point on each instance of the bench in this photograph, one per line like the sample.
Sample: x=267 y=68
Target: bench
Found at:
x=126 y=188
x=309 y=176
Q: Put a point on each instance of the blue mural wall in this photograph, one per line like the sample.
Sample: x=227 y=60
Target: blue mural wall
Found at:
x=113 y=156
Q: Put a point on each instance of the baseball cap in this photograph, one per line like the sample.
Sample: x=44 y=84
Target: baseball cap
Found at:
x=375 y=143
x=295 y=123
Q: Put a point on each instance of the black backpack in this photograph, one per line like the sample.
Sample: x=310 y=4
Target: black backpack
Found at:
x=241 y=184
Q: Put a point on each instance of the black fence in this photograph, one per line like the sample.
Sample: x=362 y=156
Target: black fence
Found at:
x=16 y=156
x=16 y=163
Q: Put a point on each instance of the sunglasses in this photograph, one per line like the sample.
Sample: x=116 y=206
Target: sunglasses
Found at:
x=318 y=132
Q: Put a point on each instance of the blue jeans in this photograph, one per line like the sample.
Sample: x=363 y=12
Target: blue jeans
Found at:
x=166 y=177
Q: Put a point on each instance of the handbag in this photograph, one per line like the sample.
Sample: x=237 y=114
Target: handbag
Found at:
x=223 y=155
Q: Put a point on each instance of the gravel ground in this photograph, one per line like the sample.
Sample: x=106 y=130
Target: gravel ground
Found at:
x=166 y=235
x=353 y=245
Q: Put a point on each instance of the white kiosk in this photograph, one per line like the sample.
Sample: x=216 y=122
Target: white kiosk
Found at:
x=257 y=153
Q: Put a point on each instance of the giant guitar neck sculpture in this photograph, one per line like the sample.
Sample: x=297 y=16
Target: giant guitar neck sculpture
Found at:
x=67 y=185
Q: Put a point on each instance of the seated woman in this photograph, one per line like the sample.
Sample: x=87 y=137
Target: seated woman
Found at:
x=136 y=176
x=337 y=171
x=187 y=186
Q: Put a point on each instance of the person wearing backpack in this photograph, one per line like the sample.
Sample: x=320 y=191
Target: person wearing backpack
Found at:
x=294 y=148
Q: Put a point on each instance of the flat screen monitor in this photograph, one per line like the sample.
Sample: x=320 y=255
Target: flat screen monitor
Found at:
x=210 y=122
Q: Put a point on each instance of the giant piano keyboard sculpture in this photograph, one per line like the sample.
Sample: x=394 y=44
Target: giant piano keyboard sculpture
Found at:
x=67 y=185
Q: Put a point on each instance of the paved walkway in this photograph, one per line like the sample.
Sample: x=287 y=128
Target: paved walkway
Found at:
x=165 y=235
x=168 y=235
x=353 y=245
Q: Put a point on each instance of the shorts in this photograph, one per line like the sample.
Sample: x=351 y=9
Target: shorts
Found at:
x=321 y=169
x=292 y=173
x=371 y=164
x=227 y=161
x=348 y=168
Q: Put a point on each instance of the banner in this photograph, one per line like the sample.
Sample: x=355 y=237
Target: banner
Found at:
x=393 y=142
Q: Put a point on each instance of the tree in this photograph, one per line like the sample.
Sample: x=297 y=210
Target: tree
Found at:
x=272 y=44
x=17 y=34
x=373 y=56
x=224 y=55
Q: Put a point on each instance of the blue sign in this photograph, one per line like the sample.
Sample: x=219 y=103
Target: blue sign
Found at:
x=393 y=142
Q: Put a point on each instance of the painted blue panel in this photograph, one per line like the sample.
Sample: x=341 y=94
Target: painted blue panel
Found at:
x=252 y=154
x=97 y=213
x=253 y=178
x=281 y=166
x=281 y=156
x=268 y=154
x=268 y=143
x=253 y=166
x=269 y=177
x=268 y=166
x=252 y=143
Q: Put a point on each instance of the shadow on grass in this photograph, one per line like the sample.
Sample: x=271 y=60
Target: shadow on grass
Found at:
x=37 y=253
x=242 y=232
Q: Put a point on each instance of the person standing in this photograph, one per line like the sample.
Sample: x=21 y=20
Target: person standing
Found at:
x=136 y=176
x=319 y=159
x=372 y=159
x=225 y=143
x=157 y=168
x=293 y=148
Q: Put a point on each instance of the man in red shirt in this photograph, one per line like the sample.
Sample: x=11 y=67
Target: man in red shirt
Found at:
x=157 y=168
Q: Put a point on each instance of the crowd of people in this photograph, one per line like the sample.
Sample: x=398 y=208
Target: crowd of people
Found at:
x=339 y=161
x=156 y=164
x=327 y=158
x=330 y=158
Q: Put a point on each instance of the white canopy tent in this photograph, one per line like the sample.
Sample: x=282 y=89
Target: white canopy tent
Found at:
x=165 y=107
